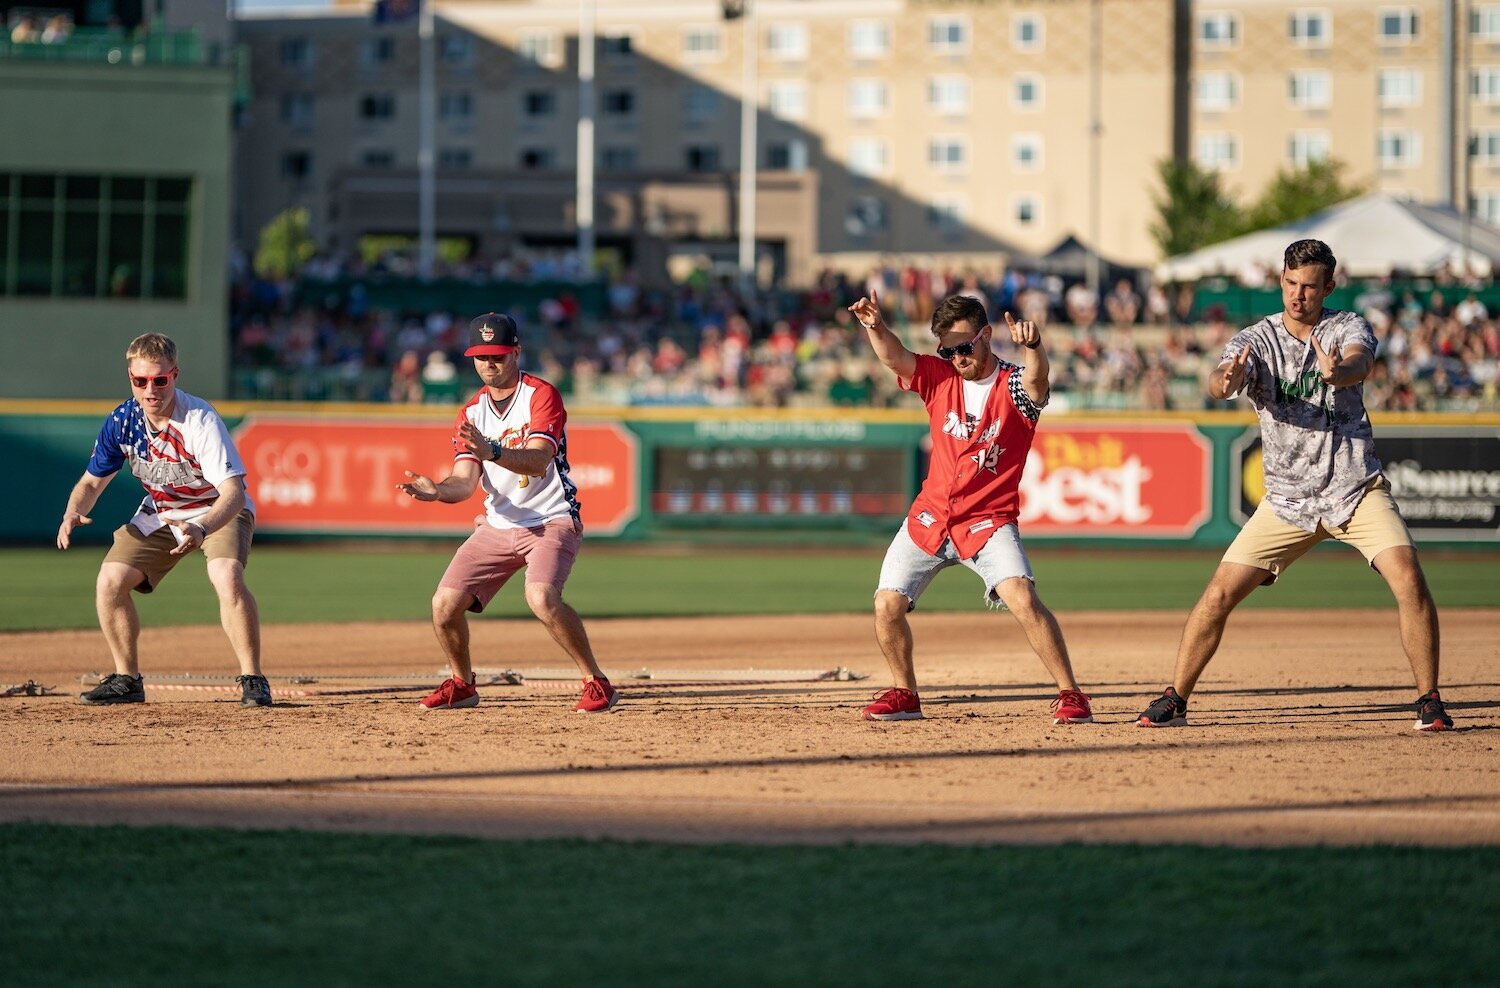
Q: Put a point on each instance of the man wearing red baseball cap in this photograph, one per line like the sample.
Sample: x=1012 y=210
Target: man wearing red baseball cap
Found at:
x=511 y=438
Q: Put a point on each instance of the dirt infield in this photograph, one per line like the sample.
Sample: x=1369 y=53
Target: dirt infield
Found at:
x=1301 y=734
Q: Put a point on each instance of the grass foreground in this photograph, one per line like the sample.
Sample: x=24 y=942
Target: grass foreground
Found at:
x=44 y=589
x=159 y=906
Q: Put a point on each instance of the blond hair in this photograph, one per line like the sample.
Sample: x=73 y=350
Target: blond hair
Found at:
x=152 y=346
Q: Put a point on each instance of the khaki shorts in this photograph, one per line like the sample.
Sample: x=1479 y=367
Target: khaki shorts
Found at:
x=493 y=555
x=1266 y=542
x=152 y=554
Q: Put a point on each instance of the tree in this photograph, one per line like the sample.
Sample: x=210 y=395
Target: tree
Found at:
x=1192 y=209
x=1298 y=192
x=286 y=243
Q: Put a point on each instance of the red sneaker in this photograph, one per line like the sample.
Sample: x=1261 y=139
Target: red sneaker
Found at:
x=453 y=693
x=1072 y=707
x=896 y=704
x=598 y=696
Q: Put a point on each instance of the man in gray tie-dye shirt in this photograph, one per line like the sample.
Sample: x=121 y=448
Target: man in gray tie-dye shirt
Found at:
x=1304 y=369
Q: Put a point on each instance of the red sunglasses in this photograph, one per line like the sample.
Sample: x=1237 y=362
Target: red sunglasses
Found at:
x=159 y=382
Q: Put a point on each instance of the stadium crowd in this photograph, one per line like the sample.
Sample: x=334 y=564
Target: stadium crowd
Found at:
x=703 y=342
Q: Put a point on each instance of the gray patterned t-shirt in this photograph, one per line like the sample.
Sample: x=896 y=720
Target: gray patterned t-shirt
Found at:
x=1316 y=441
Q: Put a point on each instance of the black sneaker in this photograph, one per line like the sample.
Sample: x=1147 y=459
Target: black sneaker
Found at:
x=1167 y=710
x=254 y=691
x=115 y=688
x=1430 y=713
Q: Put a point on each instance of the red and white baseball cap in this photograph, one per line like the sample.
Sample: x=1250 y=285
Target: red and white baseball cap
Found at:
x=492 y=335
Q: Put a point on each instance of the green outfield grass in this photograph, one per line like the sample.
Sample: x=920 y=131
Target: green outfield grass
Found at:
x=43 y=589
x=163 y=906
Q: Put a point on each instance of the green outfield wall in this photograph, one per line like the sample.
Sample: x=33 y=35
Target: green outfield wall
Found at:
x=328 y=470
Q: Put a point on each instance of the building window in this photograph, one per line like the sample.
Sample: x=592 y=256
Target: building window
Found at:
x=618 y=102
x=618 y=159
x=1217 y=90
x=1484 y=85
x=378 y=158
x=1311 y=90
x=538 y=103
x=700 y=103
x=702 y=44
x=1026 y=152
x=296 y=53
x=297 y=110
x=377 y=106
x=1484 y=22
x=946 y=215
x=948 y=154
x=1487 y=146
x=948 y=94
x=869 y=39
x=1026 y=92
x=1486 y=205
x=1218 y=30
x=1307 y=146
x=701 y=157
x=1217 y=151
x=456 y=49
x=1396 y=25
x=95 y=236
x=537 y=158
x=1308 y=28
x=867 y=98
x=787 y=100
x=868 y=156
x=377 y=51
x=948 y=35
x=296 y=166
x=455 y=158
x=790 y=155
x=865 y=215
x=1026 y=32
x=1027 y=210
x=1400 y=148
x=540 y=48
x=787 y=42
x=1398 y=87
x=617 y=47
x=456 y=106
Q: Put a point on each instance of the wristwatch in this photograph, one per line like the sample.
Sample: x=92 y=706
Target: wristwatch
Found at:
x=495 y=449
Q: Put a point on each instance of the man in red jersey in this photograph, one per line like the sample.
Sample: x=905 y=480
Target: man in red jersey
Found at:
x=983 y=413
x=510 y=437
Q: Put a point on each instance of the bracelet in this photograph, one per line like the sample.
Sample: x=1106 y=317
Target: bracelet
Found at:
x=202 y=528
x=1032 y=346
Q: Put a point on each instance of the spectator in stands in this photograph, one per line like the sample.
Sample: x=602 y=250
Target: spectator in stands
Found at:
x=59 y=28
x=1122 y=304
x=25 y=31
x=406 y=379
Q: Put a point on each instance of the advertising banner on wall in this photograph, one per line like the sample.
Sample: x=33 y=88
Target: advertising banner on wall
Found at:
x=311 y=475
x=1446 y=481
x=1117 y=480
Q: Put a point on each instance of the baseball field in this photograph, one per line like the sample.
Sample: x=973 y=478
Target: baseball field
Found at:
x=733 y=819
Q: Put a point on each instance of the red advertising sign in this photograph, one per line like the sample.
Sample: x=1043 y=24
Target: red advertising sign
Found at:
x=340 y=475
x=1119 y=480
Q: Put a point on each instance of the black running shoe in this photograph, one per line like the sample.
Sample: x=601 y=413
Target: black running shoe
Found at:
x=1430 y=713
x=1167 y=710
x=254 y=691
x=115 y=688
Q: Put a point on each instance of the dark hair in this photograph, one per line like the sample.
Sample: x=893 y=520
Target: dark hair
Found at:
x=1305 y=252
x=958 y=308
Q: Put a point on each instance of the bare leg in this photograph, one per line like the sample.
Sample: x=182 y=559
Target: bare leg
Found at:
x=893 y=632
x=118 y=618
x=565 y=626
x=1230 y=584
x=1416 y=610
x=1042 y=631
x=238 y=612
x=451 y=623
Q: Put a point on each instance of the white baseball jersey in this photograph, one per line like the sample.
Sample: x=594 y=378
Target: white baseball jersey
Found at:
x=534 y=410
x=180 y=466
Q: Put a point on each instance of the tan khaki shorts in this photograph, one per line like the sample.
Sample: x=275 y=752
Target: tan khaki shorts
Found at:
x=493 y=555
x=1267 y=542
x=152 y=554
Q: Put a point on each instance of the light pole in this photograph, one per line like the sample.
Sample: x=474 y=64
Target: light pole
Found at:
x=1096 y=128
x=585 y=191
x=749 y=107
x=426 y=176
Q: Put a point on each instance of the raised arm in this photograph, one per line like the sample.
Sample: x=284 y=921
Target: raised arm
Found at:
x=1229 y=377
x=887 y=346
x=1343 y=369
x=1037 y=368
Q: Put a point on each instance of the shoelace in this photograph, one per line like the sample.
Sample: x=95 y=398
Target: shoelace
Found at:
x=118 y=683
x=594 y=690
x=1167 y=702
x=896 y=696
x=1074 y=697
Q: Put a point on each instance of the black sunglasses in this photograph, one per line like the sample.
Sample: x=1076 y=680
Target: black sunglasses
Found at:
x=962 y=350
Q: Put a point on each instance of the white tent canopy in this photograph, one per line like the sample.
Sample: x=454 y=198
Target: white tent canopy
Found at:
x=1372 y=236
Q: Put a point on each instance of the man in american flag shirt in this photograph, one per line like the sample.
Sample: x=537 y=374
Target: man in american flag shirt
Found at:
x=180 y=451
